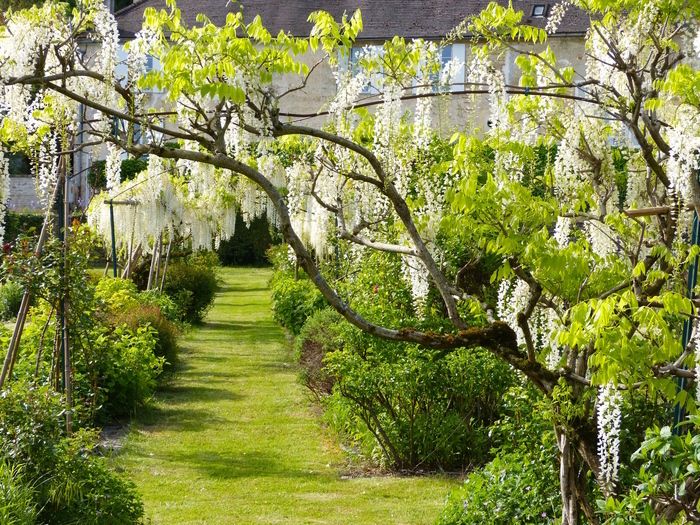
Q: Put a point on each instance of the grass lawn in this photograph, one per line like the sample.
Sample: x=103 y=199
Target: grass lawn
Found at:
x=232 y=439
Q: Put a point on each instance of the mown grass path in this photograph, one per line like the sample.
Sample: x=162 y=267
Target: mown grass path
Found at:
x=232 y=439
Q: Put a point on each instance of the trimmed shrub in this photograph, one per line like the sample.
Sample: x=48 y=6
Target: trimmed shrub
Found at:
x=410 y=408
x=127 y=369
x=127 y=306
x=320 y=335
x=249 y=244
x=166 y=333
x=192 y=285
x=294 y=301
x=129 y=169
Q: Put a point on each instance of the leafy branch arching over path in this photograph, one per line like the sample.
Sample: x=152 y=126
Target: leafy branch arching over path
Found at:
x=232 y=440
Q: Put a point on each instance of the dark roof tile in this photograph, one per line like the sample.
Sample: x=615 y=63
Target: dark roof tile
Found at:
x=382 y=19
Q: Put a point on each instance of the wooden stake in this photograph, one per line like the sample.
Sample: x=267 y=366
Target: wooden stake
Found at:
x=11 y=355
x=167 y=258
x=65 y=306
x=160 y=258
x=152 y=270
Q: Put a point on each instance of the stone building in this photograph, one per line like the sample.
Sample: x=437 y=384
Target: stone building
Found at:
x=382 y=19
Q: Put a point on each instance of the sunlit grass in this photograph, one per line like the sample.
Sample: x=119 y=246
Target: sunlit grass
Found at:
x=232 y=439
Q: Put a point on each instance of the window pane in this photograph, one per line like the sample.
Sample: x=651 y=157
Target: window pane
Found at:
x=121 y=4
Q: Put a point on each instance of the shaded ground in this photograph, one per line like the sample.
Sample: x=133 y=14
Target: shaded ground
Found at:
x=232 y=439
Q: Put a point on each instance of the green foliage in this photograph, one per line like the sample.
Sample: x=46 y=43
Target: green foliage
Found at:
x=191 y=284
x=129 y=169
x=520 y=485
x=320 y=335
x=165 y=331
x=294 y=300
x=10 y=298
x=128 y=368
x=17 y=506
x=115 y=361
x=667 y=484
x=515 y=487
x=411 y=409
x=249 y=245
x=67 y=481
x=22 y=224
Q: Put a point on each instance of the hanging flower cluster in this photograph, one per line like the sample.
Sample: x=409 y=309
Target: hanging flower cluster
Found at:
x=4 y=190
x=417 y=276
x=482 y=71
x=609 y=412
x=684 y=160
x=46 y=168
x=195 y=200
x=556 y=16
x=113 y=166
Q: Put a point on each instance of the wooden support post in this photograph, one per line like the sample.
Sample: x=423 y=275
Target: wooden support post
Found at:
x=114 y=238
x=152 y=269
x=160 y=259
x=11 y=355
x=65 y=305
x=167 y=258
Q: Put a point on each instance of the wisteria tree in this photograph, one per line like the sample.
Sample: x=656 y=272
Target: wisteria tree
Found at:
x=582 y=191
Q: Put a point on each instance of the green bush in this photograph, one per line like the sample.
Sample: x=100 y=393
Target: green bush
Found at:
x=128 y=369
x=17 y=506
x=167 y=306
x=18 y=224
x=125 y=305
x=516 y=487
x=67 y=481
x=294 y=301
x=413 y=409
x=166 y=332
x=520 y=484
x=10 y=298
x=667 y=479
x=320 y=335
x=248 y=245
x=192 y=285
x=85 y=491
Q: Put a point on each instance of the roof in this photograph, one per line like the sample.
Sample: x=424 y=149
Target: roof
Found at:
x=382 y=19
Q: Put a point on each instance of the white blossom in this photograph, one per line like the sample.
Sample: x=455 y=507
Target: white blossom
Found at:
x=46 y=168
x=113 y=164
x=609 y=417
x=513 y=297
x=562 y=231
x=556 y=15
x=416 y=274
x=4 y=190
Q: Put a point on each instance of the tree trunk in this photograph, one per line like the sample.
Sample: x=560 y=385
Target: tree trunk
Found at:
x=567 y=480
x=576 y=458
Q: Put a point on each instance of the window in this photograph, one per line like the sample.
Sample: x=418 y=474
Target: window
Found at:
x=121 y=4
x=356 y=54
x=445 y=58
x=539 y=10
